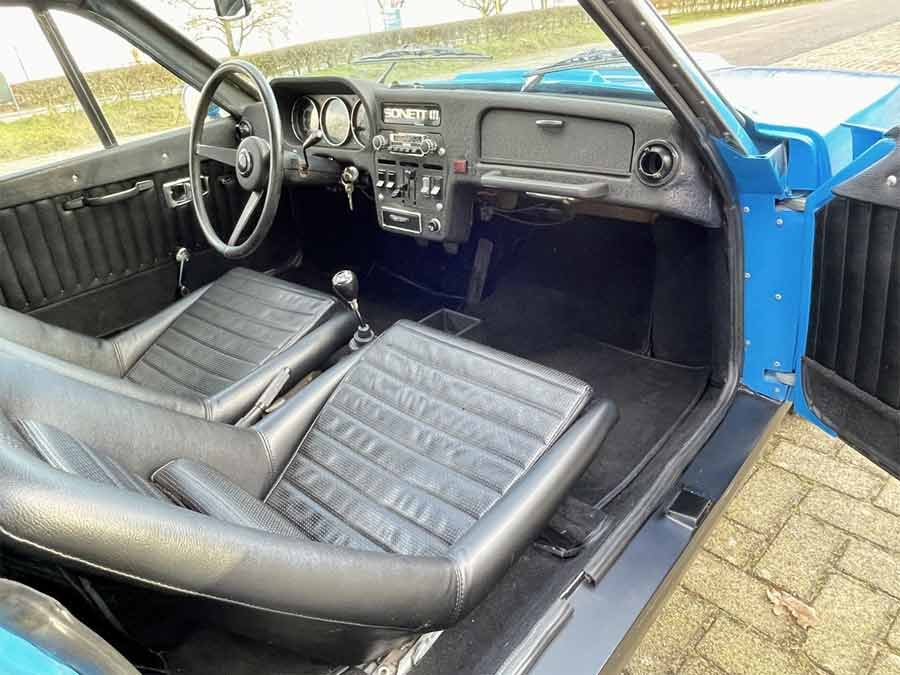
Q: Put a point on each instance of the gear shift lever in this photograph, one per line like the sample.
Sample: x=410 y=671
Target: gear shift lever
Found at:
x=346 y=287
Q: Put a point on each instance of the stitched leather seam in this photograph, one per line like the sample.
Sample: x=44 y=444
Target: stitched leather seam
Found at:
x=228 y=330
x=291 y=288
x=405 y=413
x=460 y=585
x=253 y=319
x=498 y=490
x=377 y=466
x=120 y=360
x=268 y=449
x=476 y=382
x=262 y=302
x=464 y=408
x=514 y=363
x=336 y=516
x=212 y=346
x=206 y=369
x=178 y=589
x=148 y=364
x=48 y=454
x=355 y=489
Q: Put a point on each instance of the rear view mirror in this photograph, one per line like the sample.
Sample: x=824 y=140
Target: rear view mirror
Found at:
x=232 y=9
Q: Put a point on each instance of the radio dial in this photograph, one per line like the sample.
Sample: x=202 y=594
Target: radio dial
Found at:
x=429 y=146
x=379 y=142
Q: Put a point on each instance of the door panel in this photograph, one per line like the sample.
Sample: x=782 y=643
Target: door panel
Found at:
x=98 y=269
x=851 y=368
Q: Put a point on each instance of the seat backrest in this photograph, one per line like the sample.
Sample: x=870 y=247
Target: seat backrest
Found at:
x=423 y=435
x=239 y=323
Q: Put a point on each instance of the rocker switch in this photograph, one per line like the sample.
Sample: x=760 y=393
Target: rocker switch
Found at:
x=426 y=185
x=391 y=181
x=437 y=185
x=381 y=180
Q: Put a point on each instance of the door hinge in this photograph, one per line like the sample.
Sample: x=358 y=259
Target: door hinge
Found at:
x=788 y=379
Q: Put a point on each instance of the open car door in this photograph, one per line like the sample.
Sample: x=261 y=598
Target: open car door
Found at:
x=850 y=369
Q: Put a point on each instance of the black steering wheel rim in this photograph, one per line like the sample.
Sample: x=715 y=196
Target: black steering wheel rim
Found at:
x=259 y=164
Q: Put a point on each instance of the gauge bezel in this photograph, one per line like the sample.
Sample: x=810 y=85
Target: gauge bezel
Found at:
x=324 y=127
x=294 y=125
x=358 y=105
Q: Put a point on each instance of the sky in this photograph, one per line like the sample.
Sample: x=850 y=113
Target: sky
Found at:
x=24 y=53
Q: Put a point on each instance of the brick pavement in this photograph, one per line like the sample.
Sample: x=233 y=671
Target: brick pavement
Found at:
x=817 y=521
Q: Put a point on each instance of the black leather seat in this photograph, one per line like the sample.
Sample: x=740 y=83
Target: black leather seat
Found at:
x=211 y=354
x=384 y=500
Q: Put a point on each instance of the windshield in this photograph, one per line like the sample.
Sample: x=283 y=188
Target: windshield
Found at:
x=482 y=44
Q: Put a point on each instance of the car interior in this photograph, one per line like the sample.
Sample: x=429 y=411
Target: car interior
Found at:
x=373 y=399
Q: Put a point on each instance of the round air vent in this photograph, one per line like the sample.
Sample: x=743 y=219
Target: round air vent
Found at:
x=657 y=162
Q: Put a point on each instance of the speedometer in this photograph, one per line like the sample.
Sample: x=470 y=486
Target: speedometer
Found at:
x=336 y=124
x=361 y=131
x=304 y=117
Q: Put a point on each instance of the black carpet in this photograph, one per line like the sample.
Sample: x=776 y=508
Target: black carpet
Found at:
x=537 y=323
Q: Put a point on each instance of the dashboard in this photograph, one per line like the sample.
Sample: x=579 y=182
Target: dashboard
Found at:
x=429 y=156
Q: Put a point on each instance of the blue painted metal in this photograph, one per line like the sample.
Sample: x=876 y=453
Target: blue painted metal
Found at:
x=814 y=203
x=20 y=657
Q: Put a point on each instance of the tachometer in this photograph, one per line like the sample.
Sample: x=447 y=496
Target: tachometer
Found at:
x=336 y=124
x=304 y=117
x=361 y=131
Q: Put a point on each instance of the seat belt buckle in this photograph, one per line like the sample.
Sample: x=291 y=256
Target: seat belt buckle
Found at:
x=265 y=399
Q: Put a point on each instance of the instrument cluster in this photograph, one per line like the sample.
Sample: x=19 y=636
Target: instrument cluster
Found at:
x=343 y=120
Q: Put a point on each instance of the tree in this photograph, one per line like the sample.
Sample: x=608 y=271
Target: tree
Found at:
x=485 y=7
x=266 y=18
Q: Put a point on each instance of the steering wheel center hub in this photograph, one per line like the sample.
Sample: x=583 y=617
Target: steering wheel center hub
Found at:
x=253 y=163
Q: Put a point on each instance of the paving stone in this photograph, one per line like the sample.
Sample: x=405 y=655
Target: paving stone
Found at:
x=851 y=617
x=735 y=543
x=893 y=638
x=889 y=497
x=799 y=431
x=825 y=470
x=697 y=665
x=886 y=664
x=678 y=626
x=872 y=565
x=800 y=555
x=847 y=454
x=739 y=594
x=767 y=499
x=739 y=650
x=854 y=516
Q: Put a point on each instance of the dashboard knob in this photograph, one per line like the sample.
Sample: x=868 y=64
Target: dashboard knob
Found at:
x=429 y=145
x=434 y=225
x=379 y=142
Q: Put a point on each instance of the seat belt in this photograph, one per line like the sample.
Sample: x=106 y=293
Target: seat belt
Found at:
x=266 y=398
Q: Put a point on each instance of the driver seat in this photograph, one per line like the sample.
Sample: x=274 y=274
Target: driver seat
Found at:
x=211 y=355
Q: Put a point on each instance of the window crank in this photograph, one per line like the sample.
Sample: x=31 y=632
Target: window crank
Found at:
x=349 y=176
x=182 y=257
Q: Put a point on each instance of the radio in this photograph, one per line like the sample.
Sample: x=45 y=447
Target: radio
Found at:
x=409 y=144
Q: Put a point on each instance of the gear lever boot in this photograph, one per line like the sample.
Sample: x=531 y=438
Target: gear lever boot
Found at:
x=346 y=287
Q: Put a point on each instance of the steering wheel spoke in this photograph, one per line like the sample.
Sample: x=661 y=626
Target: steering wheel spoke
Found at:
x=219 y=154
x=258 y=171
x=249 y=209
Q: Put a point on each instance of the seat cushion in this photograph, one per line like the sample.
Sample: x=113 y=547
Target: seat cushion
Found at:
x=68 y=454
x=419 y=440
x=239 y=323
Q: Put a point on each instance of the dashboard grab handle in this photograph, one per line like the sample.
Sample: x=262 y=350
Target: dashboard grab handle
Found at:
x=592 y=189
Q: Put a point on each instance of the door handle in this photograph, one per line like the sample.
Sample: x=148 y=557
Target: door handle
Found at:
x=81 y=201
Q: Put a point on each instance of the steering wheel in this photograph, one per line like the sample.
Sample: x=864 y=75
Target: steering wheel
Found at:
x=258 y=163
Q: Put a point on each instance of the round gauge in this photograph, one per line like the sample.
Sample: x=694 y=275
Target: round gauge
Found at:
x=361 y=131
x=304 y=117
x=336 y=124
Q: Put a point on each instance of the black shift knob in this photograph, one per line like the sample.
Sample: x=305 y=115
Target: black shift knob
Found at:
x=346 y=286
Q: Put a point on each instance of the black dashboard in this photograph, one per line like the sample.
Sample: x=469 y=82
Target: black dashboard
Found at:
x=429 y=155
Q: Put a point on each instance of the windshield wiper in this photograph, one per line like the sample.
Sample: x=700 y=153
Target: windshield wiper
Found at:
x=596 y=57
x=417 y=53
